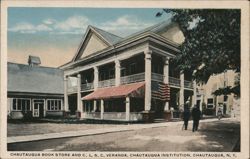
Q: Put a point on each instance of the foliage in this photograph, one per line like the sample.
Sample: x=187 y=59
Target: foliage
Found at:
x=212 y=41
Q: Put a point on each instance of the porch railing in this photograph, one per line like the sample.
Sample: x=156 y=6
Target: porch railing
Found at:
x=134 y=116
x=87 y=86
x=157 y=77
x=114 y=115
x=174 y=82
x=106 y=83
x=188 y=84
x=133 y=78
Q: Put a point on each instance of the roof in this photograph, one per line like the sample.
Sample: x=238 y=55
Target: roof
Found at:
x=155 y=29
x=34 y=60
x=114 y=40
x=111 y=38
x=37 y=79
x=132 y=90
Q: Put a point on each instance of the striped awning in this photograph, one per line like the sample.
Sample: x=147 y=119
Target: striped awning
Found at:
x=128 y=90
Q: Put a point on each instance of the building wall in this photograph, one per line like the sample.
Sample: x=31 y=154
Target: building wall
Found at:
x=215 y=82
x=236 y=108
x=54 y=113
x=20 y=114
x=9 y=103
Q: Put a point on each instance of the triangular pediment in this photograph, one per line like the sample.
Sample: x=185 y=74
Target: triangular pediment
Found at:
x=90 y=44
x=95 y=40
x=172 y=32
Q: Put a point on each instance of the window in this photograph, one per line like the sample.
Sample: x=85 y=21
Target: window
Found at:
x=123 y=71
x=21 y=104
x=132 y=68
x=102 y=76
x=54 y=104
x=111 y=73
x=210 y=103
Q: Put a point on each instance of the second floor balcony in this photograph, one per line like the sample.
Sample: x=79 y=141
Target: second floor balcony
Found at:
x=106 y=83
x=133 y=78
x=173 y=82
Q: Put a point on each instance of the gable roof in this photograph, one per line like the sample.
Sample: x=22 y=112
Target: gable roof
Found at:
x=109 y=37
x=36 y=79
x=152 y=30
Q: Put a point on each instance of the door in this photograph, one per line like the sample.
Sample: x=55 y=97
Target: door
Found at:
x=38 y=108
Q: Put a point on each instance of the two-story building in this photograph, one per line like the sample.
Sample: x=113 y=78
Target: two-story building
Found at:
x=127 y=79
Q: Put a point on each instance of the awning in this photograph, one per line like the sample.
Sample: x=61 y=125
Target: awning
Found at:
x=128 y=90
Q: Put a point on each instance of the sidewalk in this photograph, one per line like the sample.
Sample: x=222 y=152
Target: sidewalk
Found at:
x=121 y=128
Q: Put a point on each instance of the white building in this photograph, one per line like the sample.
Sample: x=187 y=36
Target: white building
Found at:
x=227 y=103
x=127 y=79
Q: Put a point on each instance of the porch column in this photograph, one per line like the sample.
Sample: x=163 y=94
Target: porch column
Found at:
x=148 y=54
x=96 y=77
x=45 y=108
x=95 y=102
x=66 y=104
x=181 y=98
x=194 y=94
x=79 y=100
x=102 y=108
x=127 y=108
x=117 y=72
x=166 y=78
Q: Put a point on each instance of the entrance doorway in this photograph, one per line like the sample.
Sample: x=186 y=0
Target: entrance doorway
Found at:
x=38 y=108
x=72 y=103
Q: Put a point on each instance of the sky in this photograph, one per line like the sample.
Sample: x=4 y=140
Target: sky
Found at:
x=54 y=34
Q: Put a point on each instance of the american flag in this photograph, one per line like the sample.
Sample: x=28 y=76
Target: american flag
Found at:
x=161 y=91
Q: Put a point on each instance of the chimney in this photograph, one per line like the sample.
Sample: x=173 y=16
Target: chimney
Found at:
x=34 y=61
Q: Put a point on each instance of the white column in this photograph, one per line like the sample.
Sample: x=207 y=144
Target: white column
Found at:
x=148 y=54
x=79 y=100
x=96 y=77
x=94 y=108
x=102 y=108
x=181 y=98
x=166 y=79
x=44 y=108
x=166 y=70
x=66 y=104
x=127 y=108
x=194 y=93
x=117 y=72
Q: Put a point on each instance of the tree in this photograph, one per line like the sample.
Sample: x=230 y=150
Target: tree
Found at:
x=212 y=42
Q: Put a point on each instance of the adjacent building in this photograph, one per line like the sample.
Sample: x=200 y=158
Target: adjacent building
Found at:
x=127 y=79
x=34 y=91
x=210 y=103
